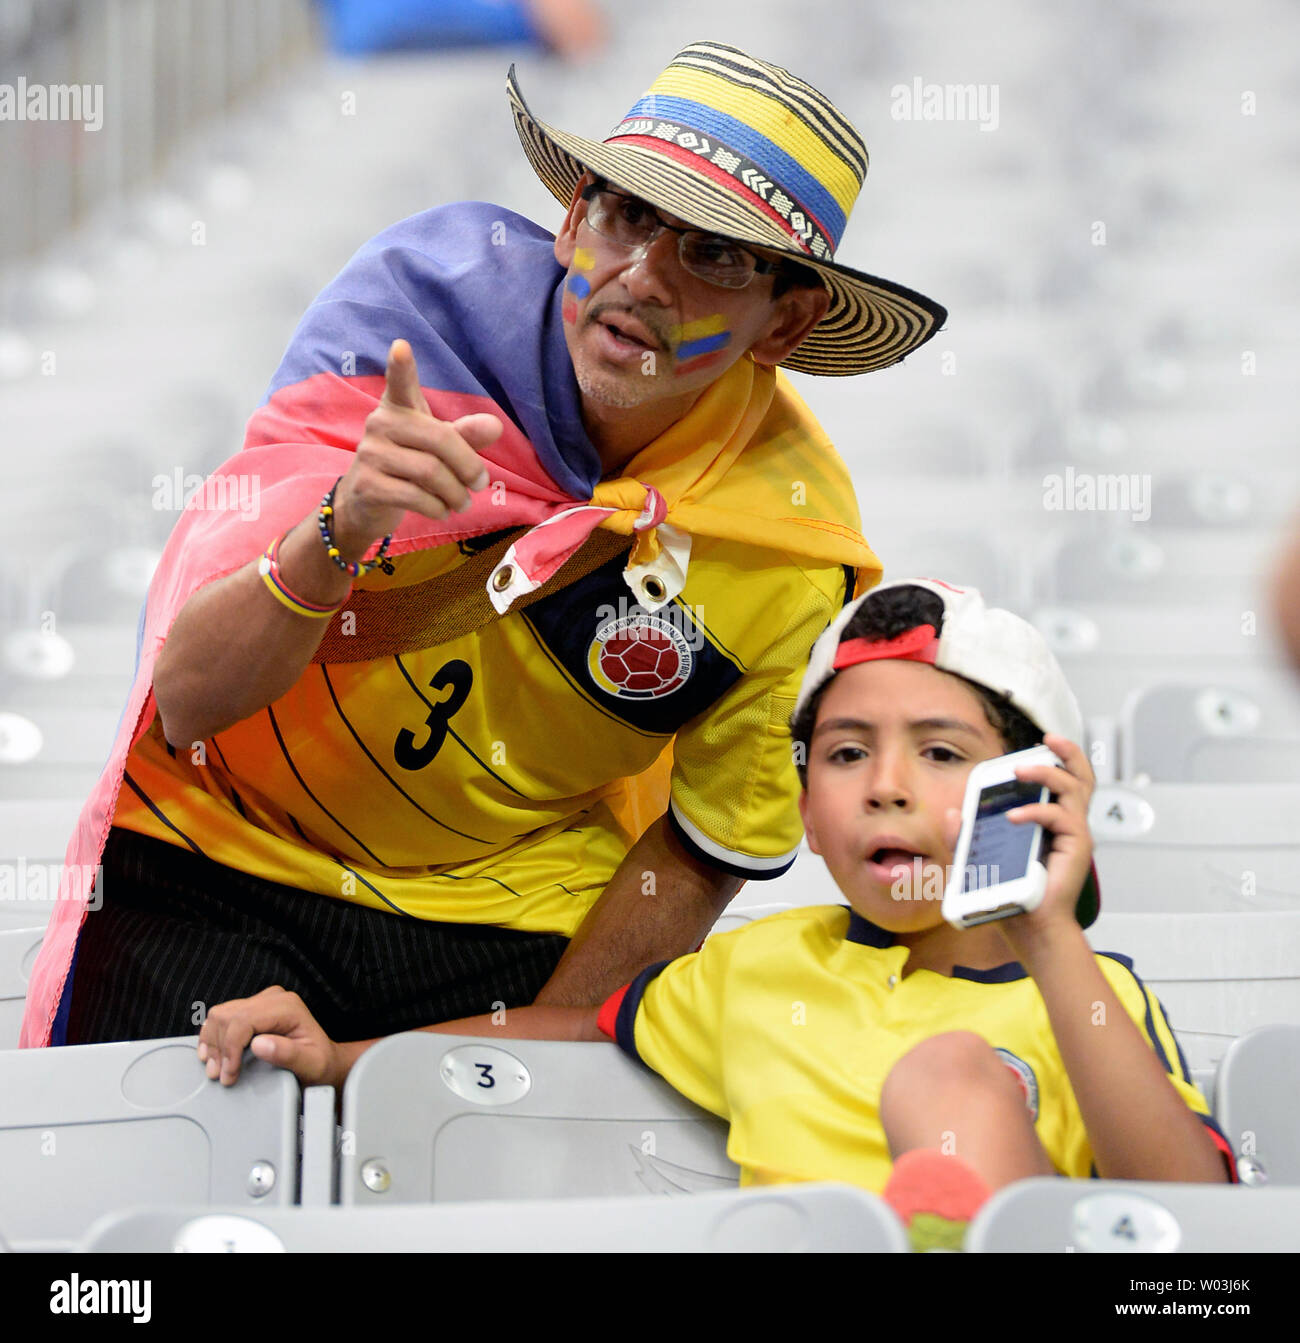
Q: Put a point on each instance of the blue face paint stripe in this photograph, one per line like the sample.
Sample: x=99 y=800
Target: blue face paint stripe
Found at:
x=580 y=285
x=705 y=345
x=786 y=171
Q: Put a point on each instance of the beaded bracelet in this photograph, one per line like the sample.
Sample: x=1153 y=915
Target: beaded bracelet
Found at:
x=269 y=567
x=379 y=560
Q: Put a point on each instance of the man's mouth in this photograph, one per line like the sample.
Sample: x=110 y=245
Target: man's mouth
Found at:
x=628 y=332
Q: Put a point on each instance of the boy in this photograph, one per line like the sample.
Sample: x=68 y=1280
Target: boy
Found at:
x=877 y=1044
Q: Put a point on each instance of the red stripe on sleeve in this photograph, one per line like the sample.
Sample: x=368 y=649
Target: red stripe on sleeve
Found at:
x=608 y=1017
x=1224 y=1146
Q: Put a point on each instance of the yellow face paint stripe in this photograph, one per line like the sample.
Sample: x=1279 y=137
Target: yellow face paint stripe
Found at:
x=704 y=326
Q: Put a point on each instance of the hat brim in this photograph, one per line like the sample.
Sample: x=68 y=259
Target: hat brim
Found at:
x=871 y=323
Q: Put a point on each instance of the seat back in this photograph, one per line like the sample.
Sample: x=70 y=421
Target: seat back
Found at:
x=441 y=1118
x=1211 y=733
x=807 y=1217
x=33 y=841
x=1218 y=976
x=86 y=1129
x=1050 y=1215
x=18 y=948
x=1197 y=848
x=1257 y=1101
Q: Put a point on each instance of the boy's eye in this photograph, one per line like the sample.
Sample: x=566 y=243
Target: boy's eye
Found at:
x=943 y=754
x=846 y=754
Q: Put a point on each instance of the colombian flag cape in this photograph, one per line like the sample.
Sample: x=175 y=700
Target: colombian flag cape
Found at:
x=477 y=292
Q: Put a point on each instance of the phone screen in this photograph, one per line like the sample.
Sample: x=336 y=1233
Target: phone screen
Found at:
x=999 y=850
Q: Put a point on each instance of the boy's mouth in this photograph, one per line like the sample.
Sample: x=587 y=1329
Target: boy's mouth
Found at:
x=886 y=862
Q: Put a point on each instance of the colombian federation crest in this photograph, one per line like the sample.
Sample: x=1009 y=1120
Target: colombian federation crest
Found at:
x=1024 y=1074
x=639 y=656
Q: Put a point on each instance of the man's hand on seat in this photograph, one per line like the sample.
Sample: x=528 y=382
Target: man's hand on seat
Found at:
x=277 y=1026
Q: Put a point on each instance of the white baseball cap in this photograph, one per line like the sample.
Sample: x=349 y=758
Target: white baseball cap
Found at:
x=992 y=647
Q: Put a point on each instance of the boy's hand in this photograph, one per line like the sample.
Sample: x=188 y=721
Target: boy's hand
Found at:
x=1066 y=820
x=279 y=1029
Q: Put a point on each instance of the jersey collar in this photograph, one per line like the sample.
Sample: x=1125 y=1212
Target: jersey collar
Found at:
x=868 y=934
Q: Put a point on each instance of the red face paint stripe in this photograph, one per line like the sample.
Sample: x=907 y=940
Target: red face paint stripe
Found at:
x=703 y=361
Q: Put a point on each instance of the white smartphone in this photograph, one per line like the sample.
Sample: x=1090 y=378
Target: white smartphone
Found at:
x=997 y=866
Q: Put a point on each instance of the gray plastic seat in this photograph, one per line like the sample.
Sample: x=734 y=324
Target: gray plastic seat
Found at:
x=18 y=948
x=1197 y=848
x=442 y=1118
x=1054 y=1216
x=807 y=1217
x=1257 y=1103
x=1211 y=733
x=90 y=1128
x=1218 y=976
x=33 y=842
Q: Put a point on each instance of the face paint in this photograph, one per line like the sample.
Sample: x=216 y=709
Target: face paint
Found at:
x=700 y=343
x=583 y=259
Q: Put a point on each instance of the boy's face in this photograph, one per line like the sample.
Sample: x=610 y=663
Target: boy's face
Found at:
x=888 y=760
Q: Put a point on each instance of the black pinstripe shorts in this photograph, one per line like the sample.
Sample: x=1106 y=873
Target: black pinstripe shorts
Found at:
x=178 y=934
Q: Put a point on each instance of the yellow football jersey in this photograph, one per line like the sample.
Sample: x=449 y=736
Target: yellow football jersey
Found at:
x=485 y=778
x=788 y=1027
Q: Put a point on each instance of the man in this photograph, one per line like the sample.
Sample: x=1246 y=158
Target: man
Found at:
x=434 y=782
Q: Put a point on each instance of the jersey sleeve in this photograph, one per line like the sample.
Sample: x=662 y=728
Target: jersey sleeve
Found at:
x=1149 y=1016
x=734 y=796
x=670 y=1017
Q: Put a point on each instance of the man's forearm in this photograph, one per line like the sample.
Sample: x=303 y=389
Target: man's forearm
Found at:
x=234 y=649
x=660 y=904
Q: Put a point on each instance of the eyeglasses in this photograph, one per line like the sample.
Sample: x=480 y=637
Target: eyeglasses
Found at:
x=630 y=222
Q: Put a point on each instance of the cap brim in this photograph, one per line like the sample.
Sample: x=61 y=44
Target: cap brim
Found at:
x=871 y=323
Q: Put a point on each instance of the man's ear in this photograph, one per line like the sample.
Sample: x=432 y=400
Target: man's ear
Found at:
x=567 y=238
x=807 y=821
x=794 y=315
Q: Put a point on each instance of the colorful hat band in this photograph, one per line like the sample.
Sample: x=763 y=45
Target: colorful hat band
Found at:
x=773 y=185
x=915 y=645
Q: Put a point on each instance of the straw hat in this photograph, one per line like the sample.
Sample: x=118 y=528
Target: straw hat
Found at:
x=739 y=147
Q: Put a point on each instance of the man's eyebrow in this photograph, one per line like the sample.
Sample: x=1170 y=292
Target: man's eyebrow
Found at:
x=915 y=724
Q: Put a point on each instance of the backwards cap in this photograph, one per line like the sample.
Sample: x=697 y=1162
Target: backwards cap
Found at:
x=992 y=647
x=996 y=649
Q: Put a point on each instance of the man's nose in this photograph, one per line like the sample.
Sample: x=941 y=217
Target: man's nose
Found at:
x=648 y=269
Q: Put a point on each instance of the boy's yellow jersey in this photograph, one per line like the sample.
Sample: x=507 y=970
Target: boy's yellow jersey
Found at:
x=485 y=779
x=788 y=1027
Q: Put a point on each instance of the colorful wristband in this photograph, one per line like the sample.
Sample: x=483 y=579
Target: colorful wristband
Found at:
x=324 y=518
x=269 y=567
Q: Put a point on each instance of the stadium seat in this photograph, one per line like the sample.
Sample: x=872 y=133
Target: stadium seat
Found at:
x=1110 y=649
x=1211 y=733
x=33 y=842
x=1197 y=848
x=1218 y=976
x=86 y=1129
x=1257 y=1101
x=440 y=1118
x=1165 y=568
x=18 y=948
x=806 y=1217
x=1054 y=1216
